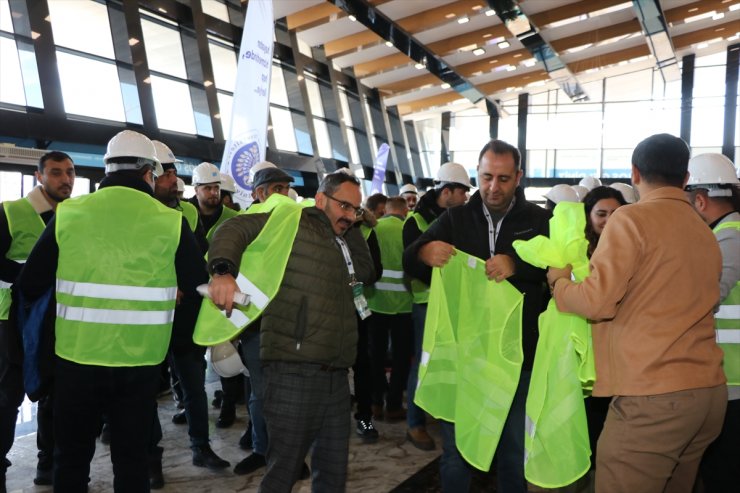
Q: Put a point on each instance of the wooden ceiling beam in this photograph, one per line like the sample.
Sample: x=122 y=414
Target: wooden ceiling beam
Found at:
x=313 y=16
x=678 y=14
x=352 y=43
x=724 y=30
x=375 y=66
x=434 y=17
x=549 y=16
x=597 y=35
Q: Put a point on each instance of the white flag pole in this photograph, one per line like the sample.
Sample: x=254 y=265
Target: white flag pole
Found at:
x=247 y=139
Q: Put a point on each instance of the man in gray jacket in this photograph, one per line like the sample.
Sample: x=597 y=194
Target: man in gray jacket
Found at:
x=308 y=335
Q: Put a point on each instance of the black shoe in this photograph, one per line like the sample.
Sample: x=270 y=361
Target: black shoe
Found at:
x=305 y=472
x=156 y=478
x=180 y=418
x=366 y=431
x=105 y=434
x=43 y=477
x=250 y=463
x=218 y=396
x=226 y=417
x=204 y=456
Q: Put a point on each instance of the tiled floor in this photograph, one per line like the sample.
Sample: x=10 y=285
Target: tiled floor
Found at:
x=378 y=467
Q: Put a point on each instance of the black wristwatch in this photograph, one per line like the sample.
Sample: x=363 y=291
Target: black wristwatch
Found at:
x=221 y=268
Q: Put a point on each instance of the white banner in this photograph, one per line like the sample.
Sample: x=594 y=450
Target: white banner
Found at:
x=247 y=139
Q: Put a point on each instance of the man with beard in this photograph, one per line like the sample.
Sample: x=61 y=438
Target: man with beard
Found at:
x=308 y=332
x=486 y=227
x=21 y=224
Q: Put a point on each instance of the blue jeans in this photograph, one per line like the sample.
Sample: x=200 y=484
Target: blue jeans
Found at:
x=190 y=367
x=456 y=474
x=415 y=415
x=250 y=345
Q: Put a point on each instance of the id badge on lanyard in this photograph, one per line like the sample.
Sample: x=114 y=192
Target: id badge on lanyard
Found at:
x=357 y=287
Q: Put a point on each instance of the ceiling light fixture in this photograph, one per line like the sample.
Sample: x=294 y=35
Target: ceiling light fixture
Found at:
x=133 y=41
x=718 y=16
x=208 y=83
x=419 y=66
x=463 y=20
x=479 y=51
x=389 y=44
x=490 y=12
x=445 y=86
x=503 y=45
x=352 y=17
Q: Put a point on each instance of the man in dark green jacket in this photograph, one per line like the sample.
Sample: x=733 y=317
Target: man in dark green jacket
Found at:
x=308 y=335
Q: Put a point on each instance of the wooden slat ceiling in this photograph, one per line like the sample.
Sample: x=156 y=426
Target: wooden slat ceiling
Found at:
x=592 y=34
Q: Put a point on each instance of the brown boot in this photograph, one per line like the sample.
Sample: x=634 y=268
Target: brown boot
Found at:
x=419 y=438
x=395 y=415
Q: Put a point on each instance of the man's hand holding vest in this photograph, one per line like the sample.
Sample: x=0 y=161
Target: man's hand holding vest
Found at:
x=221 y=291
x=500 y=267
x=436 y=253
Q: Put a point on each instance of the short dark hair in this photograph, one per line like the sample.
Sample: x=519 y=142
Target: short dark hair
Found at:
x=52 y=156
x=500 y=147
x=373 y=201
x=333 y=181
x=662 y=159
x=395 y=203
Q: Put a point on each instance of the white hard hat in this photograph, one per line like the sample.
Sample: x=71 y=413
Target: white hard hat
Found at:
x=261 y=165
x=590 y=182
x=408 y=188
x=629 y=193
x=453 y=173
x=226 y=360
x=164 y=154
x=227 y=183
x=580 y=190
x=206 y=173
x=158 y=170
x=714 y=170
x=293 y=194
x=562 y=193
x=180 y=184
x=129 y=144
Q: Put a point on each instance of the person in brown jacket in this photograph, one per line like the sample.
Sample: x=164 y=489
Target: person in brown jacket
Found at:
x=653 y=287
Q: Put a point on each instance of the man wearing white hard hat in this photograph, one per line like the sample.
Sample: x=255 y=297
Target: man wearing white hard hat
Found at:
x=712 y=189
x=590 y=182
x=560 y=193
x=228 y=189
x=628 y=191
x=451 y=189
x=180 y=188
x=116 y=278
x=411 y=194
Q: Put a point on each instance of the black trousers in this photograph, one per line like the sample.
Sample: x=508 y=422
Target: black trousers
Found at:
x=362 y=372
x=400 y=329
x=83 y=393
x=11 y=387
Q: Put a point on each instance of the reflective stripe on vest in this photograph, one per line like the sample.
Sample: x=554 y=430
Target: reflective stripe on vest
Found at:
x=727 y=323
x=472 y=355
x=260 y=272
x=116 y=282
x=390 y=295
x=419 y=289
x=25 y=226
x=226 y=213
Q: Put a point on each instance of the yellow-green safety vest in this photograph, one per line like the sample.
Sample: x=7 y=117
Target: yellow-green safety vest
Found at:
x=25 y=226
x=471 y=355
x=727 y=323
x=190 y=213
x=116 y=283
x=557 y=450
x=366 y=231
x=226 y=213
x=419 y=289
x=390 y=295
x=260 y=272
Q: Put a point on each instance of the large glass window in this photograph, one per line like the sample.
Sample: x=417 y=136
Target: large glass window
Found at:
x=11 y=79
x=216 y=8
x=82 y=26
x=708 y=112
x=163 y=48
x=90 y=87
x=173 y=105
x=223 y=59
x=19 y=77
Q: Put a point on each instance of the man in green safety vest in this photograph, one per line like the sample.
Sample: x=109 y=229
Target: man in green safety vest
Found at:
x=21 y=224
x=452 y=185
x=652 y=289
x=185 y=357
x=212 y=213
x=485 y=227
x=713 y=190
x=115 y=259
x=308 y=332
x=390 y=301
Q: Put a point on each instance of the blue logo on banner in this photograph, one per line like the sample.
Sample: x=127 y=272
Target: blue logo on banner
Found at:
x=242 y=161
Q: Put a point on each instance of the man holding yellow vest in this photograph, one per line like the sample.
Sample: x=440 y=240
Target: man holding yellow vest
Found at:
x=308 y=332
x=486 y=227
x=116 y=258
x=21 y=223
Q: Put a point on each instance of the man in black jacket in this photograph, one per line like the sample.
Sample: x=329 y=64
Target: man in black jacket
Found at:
x=486 y=227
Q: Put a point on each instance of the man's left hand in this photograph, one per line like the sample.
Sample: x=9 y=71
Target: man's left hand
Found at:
x=500 y=267
x=553 y=274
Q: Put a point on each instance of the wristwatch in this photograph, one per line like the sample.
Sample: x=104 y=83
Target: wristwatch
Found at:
x=222 y=268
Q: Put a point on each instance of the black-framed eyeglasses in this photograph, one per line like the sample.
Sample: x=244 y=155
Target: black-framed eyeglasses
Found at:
x=347 y=207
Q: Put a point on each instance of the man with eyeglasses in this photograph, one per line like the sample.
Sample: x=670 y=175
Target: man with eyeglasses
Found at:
x=308 y=335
